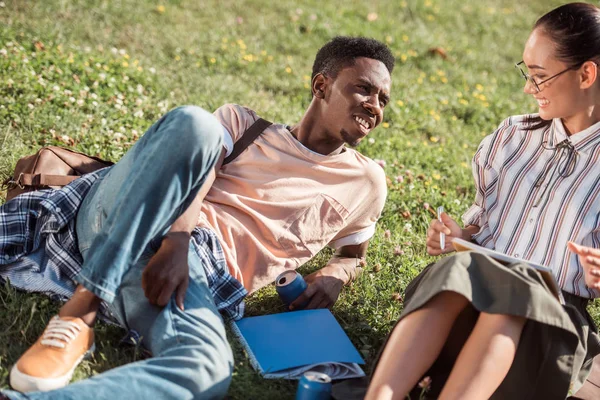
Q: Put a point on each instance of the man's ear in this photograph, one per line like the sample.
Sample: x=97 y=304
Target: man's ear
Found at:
x=589 y=74
x=319 y=85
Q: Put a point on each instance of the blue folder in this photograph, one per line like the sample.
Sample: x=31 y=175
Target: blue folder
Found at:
x=288 y=344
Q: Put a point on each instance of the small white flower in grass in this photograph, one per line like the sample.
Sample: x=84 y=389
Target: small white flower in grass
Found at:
x=95 y=103
x=80 y=102
x=94 y=96
x=3 y=52
x=139 y=114
x=380 y=162
x=425 y=383
x=103 y=121
x=140 y=89
x=122 y=52
x=57 y=118
x=26 y=60
x=38 y=100
x=2 y=4
x=457 y=201
x=67 y=92
x=52 y=131
x=102 y=76
x=114 y=50
x=72 y=99
x=399 y=179
x=398 y=251
x=152 y=70
x=371 y=140
x=31 y=106
x=408 y=227
x=118 y=106
x=426 y=206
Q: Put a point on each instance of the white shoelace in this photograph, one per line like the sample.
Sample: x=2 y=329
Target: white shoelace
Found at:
x=59 y=333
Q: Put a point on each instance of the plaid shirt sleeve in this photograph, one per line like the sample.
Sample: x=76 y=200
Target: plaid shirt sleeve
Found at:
x=39 y=252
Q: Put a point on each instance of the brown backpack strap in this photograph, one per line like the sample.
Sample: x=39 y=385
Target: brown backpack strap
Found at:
x=44 y=180
x=247 y=138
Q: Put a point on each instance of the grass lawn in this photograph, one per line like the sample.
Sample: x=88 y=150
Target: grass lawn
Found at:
x=95 y=74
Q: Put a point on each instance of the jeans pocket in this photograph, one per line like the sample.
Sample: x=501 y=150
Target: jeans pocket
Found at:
x=308 y=231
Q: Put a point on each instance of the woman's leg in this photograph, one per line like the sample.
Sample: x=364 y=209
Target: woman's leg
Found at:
x=485 y=358
x=414 y=345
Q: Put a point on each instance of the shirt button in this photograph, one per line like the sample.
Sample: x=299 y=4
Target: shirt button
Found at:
x=57 y=209
x=531 y=220
x=516 y=255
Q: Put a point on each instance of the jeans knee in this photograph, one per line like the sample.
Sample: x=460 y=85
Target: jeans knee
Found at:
x=196 y=130
x=213 y=371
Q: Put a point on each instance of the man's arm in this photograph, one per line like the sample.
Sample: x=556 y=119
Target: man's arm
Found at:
x=168 y=271
x=325 y=285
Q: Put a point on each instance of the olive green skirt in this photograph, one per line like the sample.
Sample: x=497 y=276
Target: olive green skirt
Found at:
x=557 y=345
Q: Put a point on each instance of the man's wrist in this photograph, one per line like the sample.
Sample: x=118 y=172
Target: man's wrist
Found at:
x=346 y=269
x=178 y=238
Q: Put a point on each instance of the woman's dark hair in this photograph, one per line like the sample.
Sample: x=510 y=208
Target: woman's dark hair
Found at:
x=574 y=28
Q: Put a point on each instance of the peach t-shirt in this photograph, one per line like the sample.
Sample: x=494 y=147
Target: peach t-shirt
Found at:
x=278 y=203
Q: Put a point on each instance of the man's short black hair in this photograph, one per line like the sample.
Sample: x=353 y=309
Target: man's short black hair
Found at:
x=341 y=52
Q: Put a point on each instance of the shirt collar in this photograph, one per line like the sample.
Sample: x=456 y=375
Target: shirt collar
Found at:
x=579 y=140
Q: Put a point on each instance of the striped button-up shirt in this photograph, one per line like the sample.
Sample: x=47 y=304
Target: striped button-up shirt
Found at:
x=39 y=252
x=536 y=190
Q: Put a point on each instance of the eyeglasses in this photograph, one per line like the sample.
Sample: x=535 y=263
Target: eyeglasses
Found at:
x=535 y=84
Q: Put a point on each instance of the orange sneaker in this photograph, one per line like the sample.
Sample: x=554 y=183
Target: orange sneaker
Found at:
x=50 y=362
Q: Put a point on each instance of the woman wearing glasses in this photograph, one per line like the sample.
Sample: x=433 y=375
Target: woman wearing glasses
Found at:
x=481 y=329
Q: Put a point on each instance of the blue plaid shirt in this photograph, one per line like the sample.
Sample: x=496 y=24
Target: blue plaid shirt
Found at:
x=39 y=251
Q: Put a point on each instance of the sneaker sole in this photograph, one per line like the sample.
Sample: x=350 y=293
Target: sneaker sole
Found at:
x=27 y=383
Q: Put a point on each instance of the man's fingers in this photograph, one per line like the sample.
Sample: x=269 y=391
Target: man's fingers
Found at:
x=180 y=296
x=165 y=295
x=303 y=298
x=315 y=301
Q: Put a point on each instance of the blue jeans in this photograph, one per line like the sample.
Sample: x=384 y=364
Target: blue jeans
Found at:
x=119 y=226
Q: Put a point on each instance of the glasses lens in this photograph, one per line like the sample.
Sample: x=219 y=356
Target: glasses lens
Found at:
x=528 y=78
x=533 y=83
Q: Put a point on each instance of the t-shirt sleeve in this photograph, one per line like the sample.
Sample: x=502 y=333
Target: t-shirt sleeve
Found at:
x=486 y=179
x=362 y=220
x=236 y=120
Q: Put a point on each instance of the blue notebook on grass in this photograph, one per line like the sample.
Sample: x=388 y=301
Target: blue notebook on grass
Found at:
x=288 y=344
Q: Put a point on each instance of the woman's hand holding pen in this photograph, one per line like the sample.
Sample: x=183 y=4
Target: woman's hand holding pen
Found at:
x=449 y=228
x=590 y=260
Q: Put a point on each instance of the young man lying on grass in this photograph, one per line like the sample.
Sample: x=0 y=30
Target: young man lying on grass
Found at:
x=169 y=236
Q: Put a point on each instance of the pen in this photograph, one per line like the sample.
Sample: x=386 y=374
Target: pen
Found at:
x=440 y=210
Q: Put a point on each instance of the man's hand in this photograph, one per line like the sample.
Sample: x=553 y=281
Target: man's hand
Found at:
x=324 y=287
x=168 y=271
x=590 y=260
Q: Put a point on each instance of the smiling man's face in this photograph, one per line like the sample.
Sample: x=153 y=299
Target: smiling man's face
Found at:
x=356 y=98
